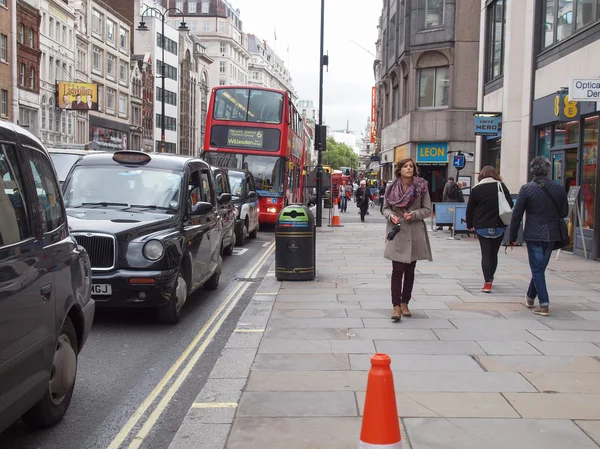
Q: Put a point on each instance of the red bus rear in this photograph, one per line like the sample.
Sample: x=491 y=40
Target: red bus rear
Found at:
x=258 y=129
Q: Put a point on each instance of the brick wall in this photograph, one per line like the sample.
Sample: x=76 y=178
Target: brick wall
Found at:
x=28 y=45
x=6 y=66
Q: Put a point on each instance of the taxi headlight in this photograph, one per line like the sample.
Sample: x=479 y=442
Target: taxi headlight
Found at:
x=153 y=250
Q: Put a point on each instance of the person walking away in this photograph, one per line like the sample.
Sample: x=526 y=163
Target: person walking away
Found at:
x=381 y=195
x=407 y=204
x=544 y=203
x=343 y=199
x=362 y=199
x=354 y=189
x=452 y=194
x=483 y=216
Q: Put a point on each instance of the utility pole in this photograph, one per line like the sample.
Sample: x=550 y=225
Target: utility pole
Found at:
x=320 y=135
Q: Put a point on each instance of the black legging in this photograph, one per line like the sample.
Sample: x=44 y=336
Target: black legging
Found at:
x=489 y=256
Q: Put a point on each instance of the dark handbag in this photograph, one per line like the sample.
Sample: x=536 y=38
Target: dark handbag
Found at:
x=565 y=240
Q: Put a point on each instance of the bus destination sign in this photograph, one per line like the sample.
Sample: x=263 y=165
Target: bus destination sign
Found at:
x=249 y=138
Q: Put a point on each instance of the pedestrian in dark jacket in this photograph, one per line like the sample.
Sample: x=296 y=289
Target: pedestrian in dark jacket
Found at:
x=363 y=197
x=483 y=216
x=541 y=227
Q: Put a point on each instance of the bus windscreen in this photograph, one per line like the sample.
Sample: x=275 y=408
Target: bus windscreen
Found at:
x=248 y=105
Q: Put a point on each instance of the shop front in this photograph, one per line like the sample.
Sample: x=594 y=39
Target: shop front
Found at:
x=567 y=134
x=432 y=159
x=489 y=127
x=108 y=135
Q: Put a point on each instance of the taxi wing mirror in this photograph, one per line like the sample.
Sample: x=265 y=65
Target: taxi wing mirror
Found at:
x=201 y=208
x=252 y=195
x=224 y=198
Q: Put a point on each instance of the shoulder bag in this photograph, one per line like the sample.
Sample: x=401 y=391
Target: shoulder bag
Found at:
x=504 y=209
x=565 y=240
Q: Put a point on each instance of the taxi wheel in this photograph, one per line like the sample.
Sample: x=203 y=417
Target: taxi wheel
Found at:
x=254 y=233
x=228 y=250
x=213 y=282
x=170 y=313
x=239 y=236
x=54 y=404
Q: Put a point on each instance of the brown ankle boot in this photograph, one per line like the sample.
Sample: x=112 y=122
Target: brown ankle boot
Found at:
x=404 y=309
x=397 y=315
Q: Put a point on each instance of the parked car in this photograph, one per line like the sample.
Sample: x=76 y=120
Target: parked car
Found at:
x=245 y=199
x=226 y=209
x=46 y=311
x=64 y=158
x=151 y=225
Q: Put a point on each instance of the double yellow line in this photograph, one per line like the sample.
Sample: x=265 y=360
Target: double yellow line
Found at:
x=206 y=336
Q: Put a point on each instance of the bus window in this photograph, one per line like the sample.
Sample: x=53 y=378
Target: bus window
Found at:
x=245 y=105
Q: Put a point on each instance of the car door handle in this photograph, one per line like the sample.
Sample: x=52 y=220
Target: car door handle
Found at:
x=46 y=291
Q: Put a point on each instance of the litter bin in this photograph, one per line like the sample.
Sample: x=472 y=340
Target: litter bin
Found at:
x=295 y=240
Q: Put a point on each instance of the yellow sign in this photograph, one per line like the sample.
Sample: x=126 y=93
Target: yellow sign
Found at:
x=570 y=110
x=400 y=152
x=557 y=105
x=81 y=96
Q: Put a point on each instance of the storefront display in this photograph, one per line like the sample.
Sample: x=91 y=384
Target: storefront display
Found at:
x=108 y=139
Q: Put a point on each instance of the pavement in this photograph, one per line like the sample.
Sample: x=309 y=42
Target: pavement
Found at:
x=471 y=370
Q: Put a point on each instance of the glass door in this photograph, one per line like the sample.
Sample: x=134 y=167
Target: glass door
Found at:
x=557 y=158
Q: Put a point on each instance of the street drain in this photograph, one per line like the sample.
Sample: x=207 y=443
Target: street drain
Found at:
x=249 y=279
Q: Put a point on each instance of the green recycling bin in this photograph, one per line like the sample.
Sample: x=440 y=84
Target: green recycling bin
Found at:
x=295 y=242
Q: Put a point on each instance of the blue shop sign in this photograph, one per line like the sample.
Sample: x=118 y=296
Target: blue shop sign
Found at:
x=487 y=126
x=432 y=153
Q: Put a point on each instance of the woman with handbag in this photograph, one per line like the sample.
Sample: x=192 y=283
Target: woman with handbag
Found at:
x=406 y=206
x=488 y=213
x=544 y=203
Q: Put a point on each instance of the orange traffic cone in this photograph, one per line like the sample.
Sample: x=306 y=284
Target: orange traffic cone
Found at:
x=380 y=427
x=335 y=218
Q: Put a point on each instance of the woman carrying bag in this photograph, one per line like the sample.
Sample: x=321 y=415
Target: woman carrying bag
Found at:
x=488 y=212
x=406 y=206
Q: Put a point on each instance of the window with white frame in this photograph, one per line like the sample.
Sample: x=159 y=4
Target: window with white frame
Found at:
x=3 y=47
x=110 y=100
x=434 y=13
x=97 y=18
x=22 y=75
x=434 y=86
x=32 y=78
x=206 y=27
x=44 y=112
x=123 y=39
x=192 y=7
x=50 y=113
x=205 y=7
x=179 y=6
x=4 y=103
x=31 y=38
x=110 y=31
x=51 y=28
x=122 y=105
x=111 y=63
x=3 y=3
x=21 y=33
x=222 y=67
x=123 y=71
x=223 y=48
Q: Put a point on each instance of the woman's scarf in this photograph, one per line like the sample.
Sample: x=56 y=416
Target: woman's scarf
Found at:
x=398 y=196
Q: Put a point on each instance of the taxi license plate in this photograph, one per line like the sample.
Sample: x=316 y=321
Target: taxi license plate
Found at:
x=102 y=289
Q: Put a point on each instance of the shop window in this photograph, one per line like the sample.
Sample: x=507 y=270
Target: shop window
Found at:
x=588 y=171
x=545 y=141
x=566 y=133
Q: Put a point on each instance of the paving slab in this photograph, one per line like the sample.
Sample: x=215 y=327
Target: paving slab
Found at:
x=429 y=347
x=540 y=364
x=309 y=313
x=307 y=381
x=453 y=381
x=591 y=428
x=412 y=323
x=305 y=323
x=565 y=382
x=488 y=306
x=485 y=334
x=393 y=334
x=244 y=340
x=449 y=405
x=575 y=325
x=194 y=435
x=294 y=433
x=306 y=334
x=497 y=324
x=556 y=406
x=286 y=346
x=561 y=348
x=574 y=336
x=265 y=404
x=460 y=314
x=315 y=305
x=302 y=362
x=508 y=348
x=234 y=363
x=462 y=433
x=593 y=316
x=402 y=363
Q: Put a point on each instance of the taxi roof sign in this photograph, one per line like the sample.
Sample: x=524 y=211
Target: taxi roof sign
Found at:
x=131 y=157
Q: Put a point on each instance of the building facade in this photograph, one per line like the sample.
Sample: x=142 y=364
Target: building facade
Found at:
x=266 y=69
x=28 y=61
x=219 y=27
x=8 y=79
x=83 y=67
x=145 y=66
x=531 y=54
x=57 y=44
x=136 y=103
x=309 y=112
x=426 y=70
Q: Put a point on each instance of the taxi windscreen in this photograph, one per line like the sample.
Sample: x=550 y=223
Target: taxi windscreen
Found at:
x=118 y=186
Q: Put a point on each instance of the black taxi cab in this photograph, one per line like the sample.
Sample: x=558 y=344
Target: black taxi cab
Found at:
x=151 y=226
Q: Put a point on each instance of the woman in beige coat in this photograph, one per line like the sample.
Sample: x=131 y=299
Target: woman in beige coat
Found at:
x=407 y=205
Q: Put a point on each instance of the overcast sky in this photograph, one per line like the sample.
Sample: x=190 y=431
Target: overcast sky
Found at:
x=347 y=86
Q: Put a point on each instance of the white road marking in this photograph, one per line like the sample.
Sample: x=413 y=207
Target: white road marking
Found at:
x=239 y=251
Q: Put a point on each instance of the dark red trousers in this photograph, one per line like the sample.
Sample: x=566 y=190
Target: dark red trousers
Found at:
x=403 y=279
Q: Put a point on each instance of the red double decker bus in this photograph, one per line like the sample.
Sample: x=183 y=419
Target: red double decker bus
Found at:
x=258 y=129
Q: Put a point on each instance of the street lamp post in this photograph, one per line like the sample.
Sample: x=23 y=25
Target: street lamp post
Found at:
x=142 y=28
x=320 y=135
